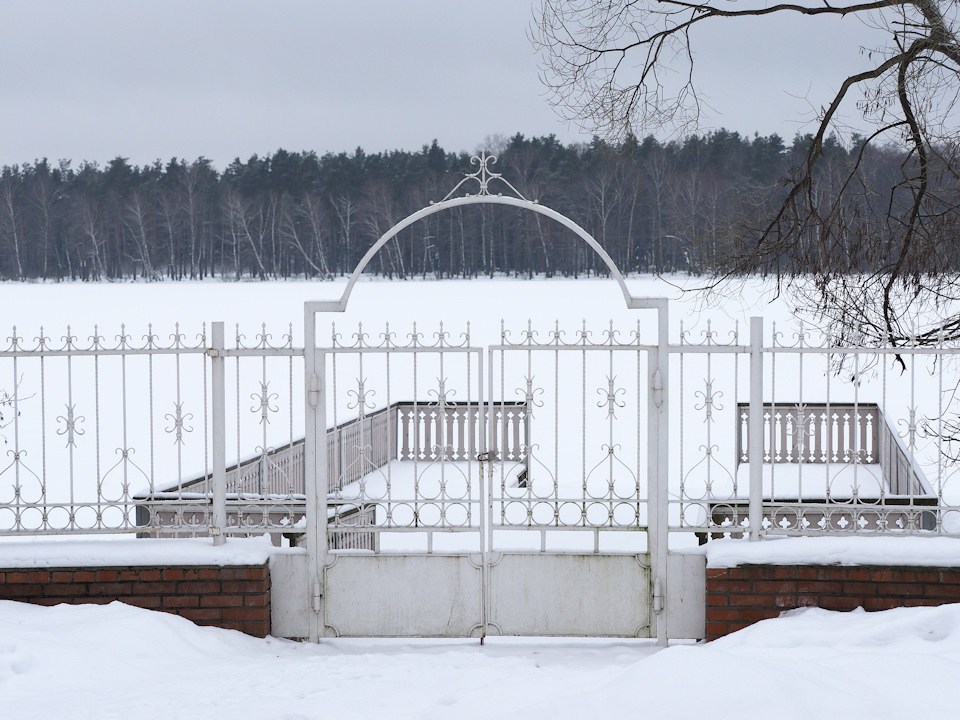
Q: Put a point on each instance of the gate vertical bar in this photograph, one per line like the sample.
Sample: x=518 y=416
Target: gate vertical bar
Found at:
x=219 y=420
x=755 y=430
x=314 y=469
x=658 y=465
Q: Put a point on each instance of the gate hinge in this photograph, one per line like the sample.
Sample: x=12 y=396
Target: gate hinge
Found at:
x=313 y=391
x=657 y=597
x=657 y=386
x=317 y=596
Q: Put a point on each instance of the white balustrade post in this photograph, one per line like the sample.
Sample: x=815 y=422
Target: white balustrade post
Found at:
x=755 y=429
x=219 y=445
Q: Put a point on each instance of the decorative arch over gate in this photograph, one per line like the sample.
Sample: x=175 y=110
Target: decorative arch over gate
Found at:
x=484 y=176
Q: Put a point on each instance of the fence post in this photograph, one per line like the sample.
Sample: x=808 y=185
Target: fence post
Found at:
x=755 y=430
x=219 y=449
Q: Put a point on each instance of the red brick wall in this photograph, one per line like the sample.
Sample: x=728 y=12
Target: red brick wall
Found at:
x=237 y=598
x=737 y=597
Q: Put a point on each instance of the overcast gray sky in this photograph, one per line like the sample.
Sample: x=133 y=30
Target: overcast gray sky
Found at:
x=149 y=79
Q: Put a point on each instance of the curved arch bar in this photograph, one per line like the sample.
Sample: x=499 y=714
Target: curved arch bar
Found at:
x=341 y=304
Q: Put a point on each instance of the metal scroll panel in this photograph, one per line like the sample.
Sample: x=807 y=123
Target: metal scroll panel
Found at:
x=583 y=444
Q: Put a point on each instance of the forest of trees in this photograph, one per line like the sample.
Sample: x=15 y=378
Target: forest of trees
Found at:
x=687 y=205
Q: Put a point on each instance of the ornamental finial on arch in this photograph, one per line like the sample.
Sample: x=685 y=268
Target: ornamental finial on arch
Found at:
x=484 y=176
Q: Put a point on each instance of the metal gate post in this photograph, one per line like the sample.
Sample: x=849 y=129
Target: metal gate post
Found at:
x=755 y=429
x=219 y=441
x=658 y=458
x=660 y=536
x=315 y=469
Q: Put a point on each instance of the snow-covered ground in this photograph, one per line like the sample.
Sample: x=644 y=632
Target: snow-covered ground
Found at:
x=117 y=661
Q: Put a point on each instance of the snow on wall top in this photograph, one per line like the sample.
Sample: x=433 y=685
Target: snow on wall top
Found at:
x=889 y=551
x=44 y=552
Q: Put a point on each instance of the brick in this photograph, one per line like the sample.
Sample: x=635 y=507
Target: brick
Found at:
x=715 y=630
x=941 y=591
x=950 y=577
x=39 y=576
x=882 y=603
x=717 y=600
x=862 y=589
x=181 y=601
x=751 y=615
x=858 y=574
x=148 y=602
x=785 y=601
x=112 y=589
x=84 y=576
x=257 y=629
x=223 y=601
x=785 y=572
x=840 y=603
x=259 y=614
x=262 y=586
x=191 y=574
x=198 y=588
x=18 y=577
x=820 y=587
x=885 y=575
x=128 y=576
x=833 y=573
x=256 y=600
x=922 y=602
x=751 y=600
x=257 y=573
x=153 y=588
x=757 y=572
x=808 y=600
x=902 y=589
x=151 y=575
x=17 y=591
x=775 y=587
x=208 y=574
x=106 y=576
x=713 y=573
x=735 y=573
x=904 y=576
x=61 y=576
x=201 y=615
x=806 y=573
x=172 y=574
x=64 y=589
x=722 y=615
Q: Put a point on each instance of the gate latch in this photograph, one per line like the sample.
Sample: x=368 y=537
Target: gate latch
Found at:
x=313 y=393
x=657 y=597
x=657 y=387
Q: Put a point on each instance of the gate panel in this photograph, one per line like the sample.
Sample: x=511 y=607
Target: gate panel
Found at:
x=570 y=594
x=404 y=595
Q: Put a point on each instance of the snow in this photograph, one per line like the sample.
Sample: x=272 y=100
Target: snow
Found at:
x=116 y=661
x=127 y=551
x=886 y=550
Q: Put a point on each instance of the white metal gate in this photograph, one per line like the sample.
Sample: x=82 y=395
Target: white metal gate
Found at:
x=473 y=491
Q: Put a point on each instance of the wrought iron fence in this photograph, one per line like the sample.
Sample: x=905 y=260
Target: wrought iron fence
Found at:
x=123 y=432
x=827 y=439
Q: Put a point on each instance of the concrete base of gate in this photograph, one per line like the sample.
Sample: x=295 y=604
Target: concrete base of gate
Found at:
x=530 y=594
